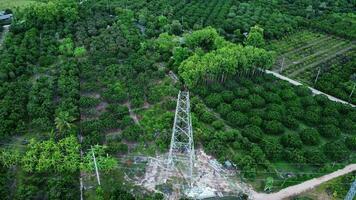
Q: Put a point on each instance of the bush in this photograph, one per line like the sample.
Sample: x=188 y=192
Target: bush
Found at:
x=133 y=133
x=224 y=109
x=253 y=133
x=241 y=105
x=207 y=117
x=330 y=120
x=255 y=120
x=199 y=108
x=256 y=101
x=273 y=115
x=237 y=119
x=308 y=101
x=228 y=96
x=241 y=92
x=291 y=140
x=311 y=118
x=302 y=91
x=218 y=125
x=336 y=150
x=315 y=156
x=348 y=126
x=329 y=131
x=310 y=136
x=213 y=100
x=296 y=112
x=117 y=147
x=274 y=127
x=351 y=142
x=87 y=102
x=272 y=98
x=287 y=94
x=272 y=148
x=290 y=122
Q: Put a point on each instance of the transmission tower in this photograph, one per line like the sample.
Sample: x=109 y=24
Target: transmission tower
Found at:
x=181 y=153
x=351 y=194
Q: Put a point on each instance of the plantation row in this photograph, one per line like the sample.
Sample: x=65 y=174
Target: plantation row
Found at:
x=52 y=65
x=274 y=122
x=314 y=59
x=322 y=55
x=295 y=42
x=311 y=49
x=200 y=13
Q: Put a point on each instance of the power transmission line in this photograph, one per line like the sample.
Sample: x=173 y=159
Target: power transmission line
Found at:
x=181 y=152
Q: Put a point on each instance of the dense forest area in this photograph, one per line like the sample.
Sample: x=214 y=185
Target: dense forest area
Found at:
x=94 y=78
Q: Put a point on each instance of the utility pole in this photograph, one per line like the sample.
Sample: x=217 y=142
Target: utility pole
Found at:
x=317 y=76
x=181 y=152
x=96 y=166
x=282 y=66
x=351 y=194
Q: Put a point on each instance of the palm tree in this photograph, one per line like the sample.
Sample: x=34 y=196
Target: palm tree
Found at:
x=64 y=121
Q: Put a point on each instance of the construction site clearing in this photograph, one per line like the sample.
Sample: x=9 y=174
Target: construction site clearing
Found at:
x=210 y=178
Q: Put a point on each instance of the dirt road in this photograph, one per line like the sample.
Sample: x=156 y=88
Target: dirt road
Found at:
x=315 y=91
x=302 y=187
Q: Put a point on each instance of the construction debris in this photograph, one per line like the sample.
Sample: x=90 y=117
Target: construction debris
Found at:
x=210 y=179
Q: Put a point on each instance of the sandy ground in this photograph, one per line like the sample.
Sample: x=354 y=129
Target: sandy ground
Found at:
x=302 y=187
x=210 y=178
x=315 y=91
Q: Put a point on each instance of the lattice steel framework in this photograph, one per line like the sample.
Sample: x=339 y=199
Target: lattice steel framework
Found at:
x=181 y=153
x=351 y=194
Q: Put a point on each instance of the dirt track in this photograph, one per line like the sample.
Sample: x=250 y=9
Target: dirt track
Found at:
x=315 y=91
x=302 y=187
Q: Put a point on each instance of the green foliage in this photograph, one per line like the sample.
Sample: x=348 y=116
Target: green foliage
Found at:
x=222 y=60
x=274 y=127
x=351 y=142
x=67 y=47
x=104 y=162
x=9 y=158
x=310 y=136
x=213 y=100
x=330 y=131
x=336 y=150
x=255 y=37
x=291 y=140
x=64 y=122
x=40 y=105
x=79 y=52
x=50 y=156
x=253 y=133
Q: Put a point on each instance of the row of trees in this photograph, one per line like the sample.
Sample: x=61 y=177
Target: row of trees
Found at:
x=225 y=60
x=279 y=121
x=40 y=104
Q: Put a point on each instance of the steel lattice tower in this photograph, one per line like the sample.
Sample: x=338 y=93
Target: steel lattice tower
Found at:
x=181 y=153
x=351 y=194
